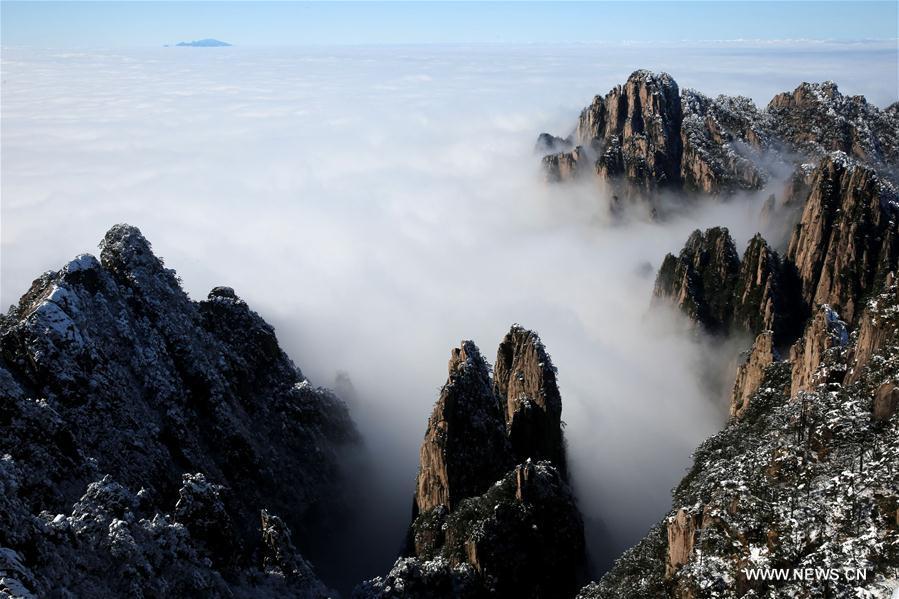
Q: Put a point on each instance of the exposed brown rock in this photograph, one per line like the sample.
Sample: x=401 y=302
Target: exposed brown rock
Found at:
x=681 y=530
x=515 y=530
x=591 y=125
x=465 y=447
x=752 y=372
x=846 y=238
x=713 y=287
x=564 y=166
x=767 y=294
x=754 y=293
x=878 y=325
x=886 y=402
x=525 y=381
x=640 y=143
x=479 y=429
x=524 y=481
x=647 y=136
x=825 y=331
x=523 y=537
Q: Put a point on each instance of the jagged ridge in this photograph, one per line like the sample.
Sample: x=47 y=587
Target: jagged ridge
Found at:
x=165 y=427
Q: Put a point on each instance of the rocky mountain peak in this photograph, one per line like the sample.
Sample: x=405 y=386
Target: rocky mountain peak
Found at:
x=465 y=448
x=472 y=499
x=817 y=118
x=125 y=252
x=647 y=135
x=702 y=278
x=113 y=378
x=467 y=360
x=641 y=135
x=525 y=381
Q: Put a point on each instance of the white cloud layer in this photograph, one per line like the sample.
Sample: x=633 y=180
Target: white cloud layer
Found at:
x=380 y=204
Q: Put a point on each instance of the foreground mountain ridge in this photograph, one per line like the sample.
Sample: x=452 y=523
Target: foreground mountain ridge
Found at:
x=797 y=479
x=155 y=445
x=493 y=514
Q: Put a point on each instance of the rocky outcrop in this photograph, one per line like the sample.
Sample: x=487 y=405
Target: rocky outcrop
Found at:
x=465 y=448
x=825 y=332
x=846 y=240
x=590 y=130
x=817 y=118
x=523 y=537
x=640 y=143
x=524 y=379
x=722 y=141
x=701 y=280
x=841 y=251
x=647 y=136
x=886 y=402
x=767 y=294
x=630 y=138
x=842 y=248
x=482 y=524
x=113 y=380
x=681 y=530
x=878 y=325
x=479 y=429
x=789 y=484
x=565 y=166
x=550 y=144
x=751 y=373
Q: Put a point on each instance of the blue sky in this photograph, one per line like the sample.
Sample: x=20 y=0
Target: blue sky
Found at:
x=77 y=24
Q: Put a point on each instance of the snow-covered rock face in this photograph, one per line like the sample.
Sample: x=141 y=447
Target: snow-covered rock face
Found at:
x=845 y=242
x=816 y=117
x=804 y=474
x=807 y=481
x=119 y=390
x=647 y=136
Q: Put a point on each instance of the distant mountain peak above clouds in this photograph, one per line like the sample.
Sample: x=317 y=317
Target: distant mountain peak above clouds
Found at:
x=203 y=43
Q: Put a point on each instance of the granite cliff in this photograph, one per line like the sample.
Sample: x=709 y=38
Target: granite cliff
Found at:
x=803 y=475
x=648 y=136
x=493 y=514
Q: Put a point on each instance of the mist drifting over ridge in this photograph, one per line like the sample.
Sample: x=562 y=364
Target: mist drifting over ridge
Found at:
x=378 y=205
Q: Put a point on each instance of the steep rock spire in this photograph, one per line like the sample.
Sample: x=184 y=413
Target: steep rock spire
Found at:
x=465 y=448
x=702 y=279
x=525 y=381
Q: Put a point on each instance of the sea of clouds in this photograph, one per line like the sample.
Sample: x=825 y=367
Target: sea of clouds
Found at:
x=378 y=205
